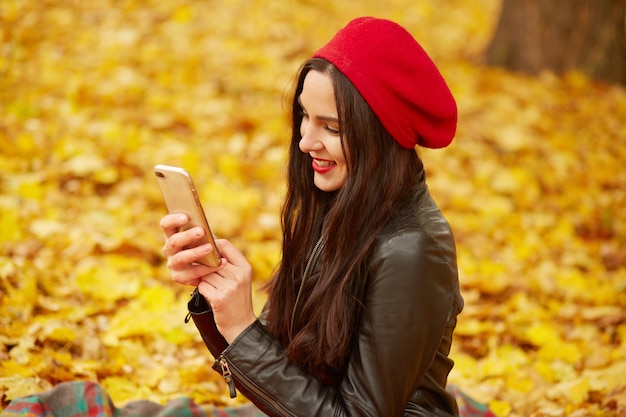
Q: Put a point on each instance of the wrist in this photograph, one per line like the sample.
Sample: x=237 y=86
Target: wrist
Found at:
x=235 y=331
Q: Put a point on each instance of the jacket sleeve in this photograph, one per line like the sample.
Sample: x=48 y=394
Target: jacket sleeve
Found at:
x=408 y=303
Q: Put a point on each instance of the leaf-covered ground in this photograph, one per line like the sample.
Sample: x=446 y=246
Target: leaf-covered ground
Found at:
x=94 y=93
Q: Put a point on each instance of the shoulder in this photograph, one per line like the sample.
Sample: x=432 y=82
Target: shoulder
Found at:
x=416 y=252
x=419 y=230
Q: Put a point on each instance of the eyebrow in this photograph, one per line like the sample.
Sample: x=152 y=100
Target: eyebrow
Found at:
x=323 y=118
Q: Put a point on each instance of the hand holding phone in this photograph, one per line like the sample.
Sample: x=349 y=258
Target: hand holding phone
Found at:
x=181 y=196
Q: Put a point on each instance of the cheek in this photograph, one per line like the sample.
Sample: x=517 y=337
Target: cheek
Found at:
x=343 y=176
x=339 y=156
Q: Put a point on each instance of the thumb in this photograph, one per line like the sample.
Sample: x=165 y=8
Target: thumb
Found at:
x=231 y=253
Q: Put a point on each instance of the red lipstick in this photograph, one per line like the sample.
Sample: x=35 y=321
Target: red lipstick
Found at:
x=322 y=169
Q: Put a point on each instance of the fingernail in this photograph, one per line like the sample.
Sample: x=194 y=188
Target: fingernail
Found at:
x=182 y=218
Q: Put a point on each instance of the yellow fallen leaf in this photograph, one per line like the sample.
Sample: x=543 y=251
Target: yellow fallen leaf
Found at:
x=16 y=369
x=542 y=334
x=84 y=164
x=111 y=277
x=608 y=378
x=46 y=228
x=473 y=327
x=571 y=392
x=57 y=332
x=10 y=229
x=122 y=390
x=17 y=386
x=500 y=408
x=561 y=350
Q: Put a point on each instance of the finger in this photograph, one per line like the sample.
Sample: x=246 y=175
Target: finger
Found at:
x=180 y=240
x=206 y=279
x=230 y=252
x=192 y=275
x=214 y=288
x=223 y=280
x=170 y=223
x=184 y=258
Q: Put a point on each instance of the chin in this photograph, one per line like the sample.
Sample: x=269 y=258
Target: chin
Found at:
x=328 y=187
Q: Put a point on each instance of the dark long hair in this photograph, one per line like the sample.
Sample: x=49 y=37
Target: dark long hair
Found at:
x=380 y=180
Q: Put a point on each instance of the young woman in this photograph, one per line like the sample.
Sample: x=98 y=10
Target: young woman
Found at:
x=363 y=305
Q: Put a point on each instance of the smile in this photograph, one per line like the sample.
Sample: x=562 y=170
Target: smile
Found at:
x=322 y=166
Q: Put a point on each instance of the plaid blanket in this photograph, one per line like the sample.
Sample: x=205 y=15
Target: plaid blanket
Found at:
x=88 y=399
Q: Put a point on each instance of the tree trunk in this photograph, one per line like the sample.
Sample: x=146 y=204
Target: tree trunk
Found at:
x=560 y=36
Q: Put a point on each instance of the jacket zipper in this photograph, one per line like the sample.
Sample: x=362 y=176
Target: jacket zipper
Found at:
x=228 y=377
x=307 y=272
x=227 y=374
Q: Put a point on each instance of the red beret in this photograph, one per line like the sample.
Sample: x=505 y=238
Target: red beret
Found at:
x=397 y=79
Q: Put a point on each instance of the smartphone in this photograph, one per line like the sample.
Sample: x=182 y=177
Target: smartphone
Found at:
x=181 y=196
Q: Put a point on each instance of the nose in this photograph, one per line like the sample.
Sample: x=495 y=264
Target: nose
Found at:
x=308 y=141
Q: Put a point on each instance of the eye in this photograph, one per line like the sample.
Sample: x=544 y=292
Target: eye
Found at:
x=332 y=130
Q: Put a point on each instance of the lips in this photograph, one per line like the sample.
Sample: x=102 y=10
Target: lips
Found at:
x=322 y=166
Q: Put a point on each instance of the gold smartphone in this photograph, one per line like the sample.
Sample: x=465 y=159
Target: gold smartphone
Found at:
x=181 y=197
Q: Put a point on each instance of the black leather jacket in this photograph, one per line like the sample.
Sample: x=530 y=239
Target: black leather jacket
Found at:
x=399 y=364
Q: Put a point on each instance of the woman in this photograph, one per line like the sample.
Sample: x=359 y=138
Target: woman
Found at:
x=363 y=305
x=364 y=302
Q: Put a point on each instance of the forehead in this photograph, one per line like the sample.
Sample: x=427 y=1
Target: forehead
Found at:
x=318 y=93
